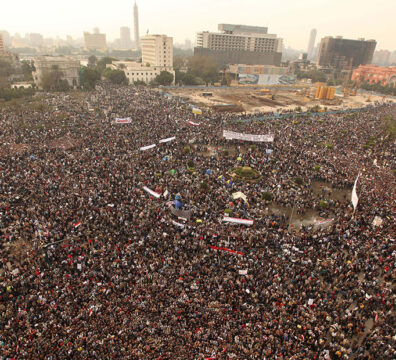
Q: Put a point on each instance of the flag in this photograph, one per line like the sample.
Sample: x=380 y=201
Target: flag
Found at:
x=238 y=221
x=151 y=192
x=354 y=197
x=76 y=225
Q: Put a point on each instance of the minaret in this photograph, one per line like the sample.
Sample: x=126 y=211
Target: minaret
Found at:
x=136 y=26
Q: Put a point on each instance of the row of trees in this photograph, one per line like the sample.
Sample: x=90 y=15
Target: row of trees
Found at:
x=377 y=87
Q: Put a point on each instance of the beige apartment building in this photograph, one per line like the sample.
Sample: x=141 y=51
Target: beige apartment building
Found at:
x=157 y=50
x=95 y=41
x=68 y=66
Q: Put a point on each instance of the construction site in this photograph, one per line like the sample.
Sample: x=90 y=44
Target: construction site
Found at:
x=250 y=99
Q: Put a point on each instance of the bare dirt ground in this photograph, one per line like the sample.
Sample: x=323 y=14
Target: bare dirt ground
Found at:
x=253 y=100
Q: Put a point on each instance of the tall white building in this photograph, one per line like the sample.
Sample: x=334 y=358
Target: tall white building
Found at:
x=311 y=44
x=240 y=44
x=136 y=26
x=240 y=38
x=125 y=38
x=157 y=50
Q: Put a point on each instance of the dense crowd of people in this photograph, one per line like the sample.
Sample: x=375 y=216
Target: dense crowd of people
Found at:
x=95 y=267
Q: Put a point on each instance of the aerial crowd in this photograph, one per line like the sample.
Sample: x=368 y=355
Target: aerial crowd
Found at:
x=100 y=261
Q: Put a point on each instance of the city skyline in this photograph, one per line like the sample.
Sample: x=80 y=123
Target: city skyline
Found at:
x=290 y=20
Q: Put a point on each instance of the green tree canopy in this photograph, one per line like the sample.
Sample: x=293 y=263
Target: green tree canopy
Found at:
x=101 y=64
x=89 y=78
x=164 y=78
x=115 y=76
x=53 y=80
x=204 y=68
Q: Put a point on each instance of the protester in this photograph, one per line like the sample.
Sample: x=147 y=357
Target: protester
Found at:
x=95 y=265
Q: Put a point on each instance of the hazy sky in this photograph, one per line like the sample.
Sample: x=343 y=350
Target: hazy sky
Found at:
x=290 y=19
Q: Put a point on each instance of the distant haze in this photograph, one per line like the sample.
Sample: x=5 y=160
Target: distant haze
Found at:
x=290 y=19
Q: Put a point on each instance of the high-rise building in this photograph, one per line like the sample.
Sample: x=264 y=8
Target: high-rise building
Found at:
x=157 y=50
x=95 y=41
x=381 y=57
x=125 y=38
x=2 y=46
x=240 y=44
x=136 y=26
x=342 y=53
x=311 y=43
x=36 y=39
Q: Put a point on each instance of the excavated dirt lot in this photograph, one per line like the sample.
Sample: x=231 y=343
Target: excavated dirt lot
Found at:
x=253 y=100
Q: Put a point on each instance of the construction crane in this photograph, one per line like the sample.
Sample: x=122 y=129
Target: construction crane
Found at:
x=347 y=87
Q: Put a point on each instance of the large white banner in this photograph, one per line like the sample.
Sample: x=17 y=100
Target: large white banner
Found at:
x=354 y=197
x=151 y=192
x=147 y=147
x=231 y=135
x=167 y=140
x=238 y=221
x=127 y=120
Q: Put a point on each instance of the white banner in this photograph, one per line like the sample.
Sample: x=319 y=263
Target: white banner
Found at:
x=192 y=123
x=231 y=135
x=354 y=197
x=178 y=224
x=167 y=140
x=238 y=221
x=127 y=120
x=151 y=192
x=147 y=147
x=243 y=272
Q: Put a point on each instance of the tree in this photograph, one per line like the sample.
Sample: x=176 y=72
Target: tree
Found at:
x=189 y=79
x=89 y=77
x=204 y=67
x=164 y=78
x=92 y=61
x=101 y=64
x=53 y=80
x=27 y=69
x=115 y=76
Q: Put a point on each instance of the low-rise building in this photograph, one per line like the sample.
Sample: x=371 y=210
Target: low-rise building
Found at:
x=68 y=67
x=374 y=74
x=135 y=71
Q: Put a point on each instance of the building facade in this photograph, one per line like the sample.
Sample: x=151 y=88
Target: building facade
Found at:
x=2 y=46
x=311 y=44
x=139 y=71
x=382 y=57
x=374 y=74
x=240 y=44
x=343 y=54
x=69 y=68
x=125 y=38
x=157 y=50
x=95 y=41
